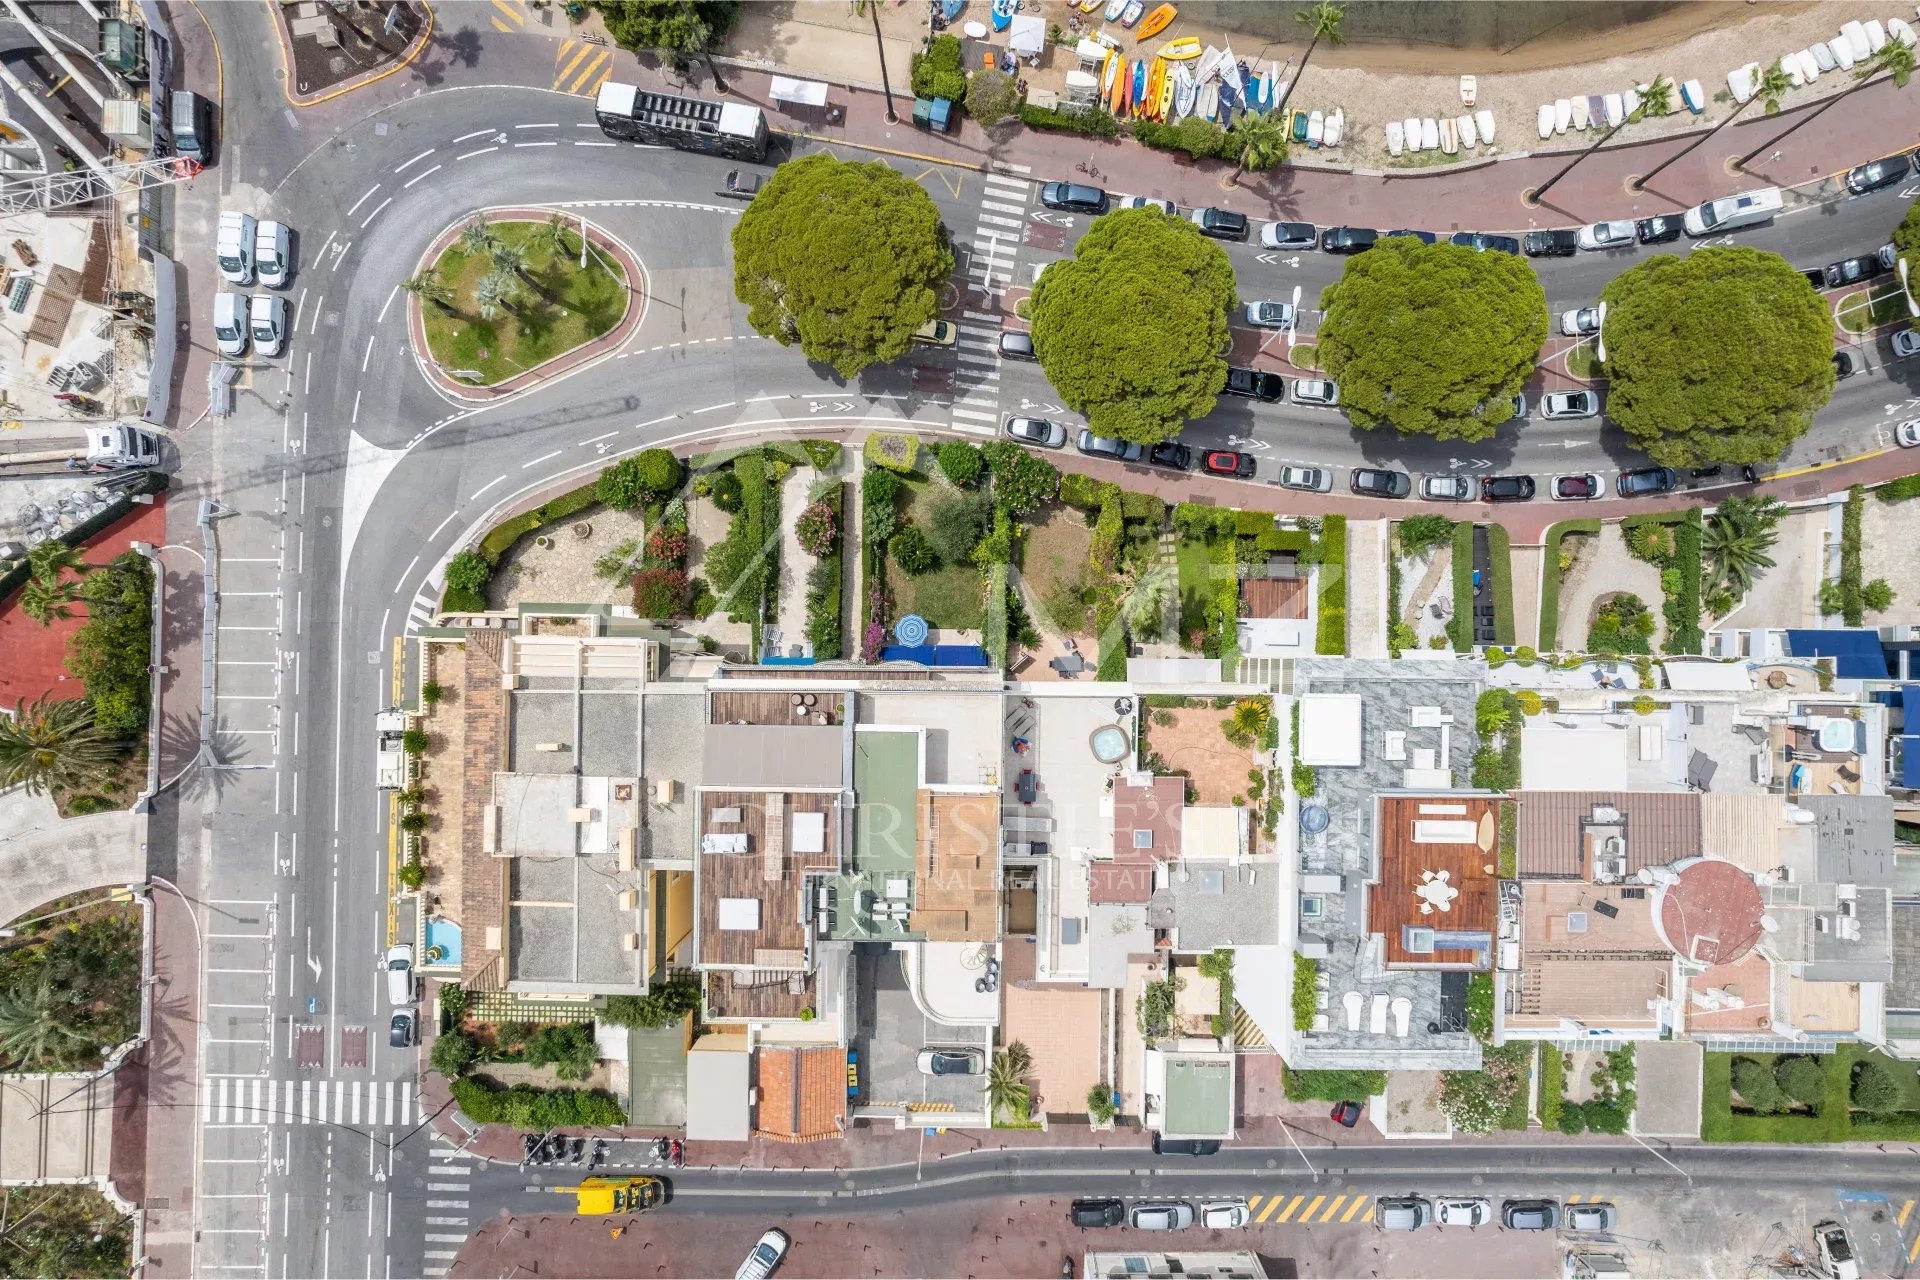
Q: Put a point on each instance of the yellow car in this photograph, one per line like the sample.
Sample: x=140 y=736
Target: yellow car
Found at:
x=617 y=1195
x=941 y=333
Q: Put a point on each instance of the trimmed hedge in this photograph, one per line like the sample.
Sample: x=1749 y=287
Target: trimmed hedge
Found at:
x=1461 y=627
x=501 y=538
x=1223 y=631
x=995 y=639
x=1500 y=567
x=1333 y=1086
x=1251 y=524
x=1298 y=541
x=1142 y=508
x=1332 y=637
x=825 y=586
x=1084 y=493
x=1550 y=579
x=1683 y=607
x=1199 y=138
x=1853 y=609
x=1094 y=124
x=525 y=1107
x=1899 y=490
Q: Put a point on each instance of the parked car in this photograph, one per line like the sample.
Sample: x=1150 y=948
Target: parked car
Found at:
x=267 y=322
x=1102 y=1212
x=1227 y=462
x=1616 y=233
x=1838 y=1259
x=1887 y=254
x=1402 y=1213
x=1842 y=365
x=1316 y=391
x=1470 y=1211
x=1506 y=489
x=400 y=1030
x=1171 y=1215
x=1270 y=315
x=1876 y=174
x=1289 y=235
x=1570 y=404
x=1550 y=244
x=1854 y=270
x=1221 y=224
x=230 y=323
x=1659 y=229
x=1481 y=241
x=399 y=969
x=1224 y=1215
x=951 y=1062
x=1073 y=197
x=1172 y=455
x=1645 y=482
x=1102 y=447
x=1348 y=239
x=1597 y=1216
x=768 y=1251
x=1307 y=479
x=1529 y=1215
x=1424 y=237
x=1378 y=482
x=272 y=256
x=742 y=184
x=1576 y=486
x=1016 y=344
x=1520 y=405
x=1038 y=432
x=1185 y=1146
x=1908 y=433
x=1255 y=384
x=1346 y=1114
x=1446 y=489
x=1906 y=343
x=940 y=333
x=1148 y=202
x=1581 y=322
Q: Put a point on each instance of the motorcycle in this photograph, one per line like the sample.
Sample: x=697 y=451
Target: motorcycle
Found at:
x=677 y=1154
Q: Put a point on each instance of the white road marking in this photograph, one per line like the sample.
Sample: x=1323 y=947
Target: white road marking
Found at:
x=416 y=160
x=422 y=174
x=363 y=199
x=471 y=154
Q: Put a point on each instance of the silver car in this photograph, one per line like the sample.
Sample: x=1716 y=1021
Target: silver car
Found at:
x=1173 y=1215
x=1402 y=1213
x=1270 y=315
x=1224 y=1215
x=1592 y=1217
x=1320 y=391
x=1307 y=479
x=1570 y=404
x=1446 y=489
x=1468 y=1212
x=1038 y=432
x=1616 y=234
x=1103 y=447
x=1580 y=322
x=1148 y=202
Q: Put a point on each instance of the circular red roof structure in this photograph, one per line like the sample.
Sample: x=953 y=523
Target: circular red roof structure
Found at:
x=1711 y=913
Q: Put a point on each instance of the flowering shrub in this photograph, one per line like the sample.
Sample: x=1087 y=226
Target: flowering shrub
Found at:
x=815 y=529
x=658 y=593
x=667 y=546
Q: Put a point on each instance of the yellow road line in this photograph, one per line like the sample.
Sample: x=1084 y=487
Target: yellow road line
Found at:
x=1288 y=1211
x=1913 y=1254
x=503 y=27
x=1905 y=1209
x=1313 y=1208
x=1368 y=1215
x=1333 y=1208
x=1359 y=1203
x=1573 y=1199
x=567 y=70
x=514 y=13
x=601 y=62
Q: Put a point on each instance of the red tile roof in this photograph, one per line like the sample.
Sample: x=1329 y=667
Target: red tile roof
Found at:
x=803 y=1093
x=1156 y=809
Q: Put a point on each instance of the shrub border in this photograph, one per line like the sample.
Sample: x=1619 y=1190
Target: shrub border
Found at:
x=1550 y=578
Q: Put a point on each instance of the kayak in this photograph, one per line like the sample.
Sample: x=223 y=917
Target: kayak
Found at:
x=1002 y=14
x=1138 y=93
x=1336 y=127
x=1166 y=93
x=1156 y=83
x=1180 y=50
x=1316 y=128
x=1449 y=136
x=1414 y=134
x=1156 y=22
x=1184 y=93
x=1430 y=134
x=1107 y=73
x=1484 y=118
x=1395 y=137
x=1469 y=136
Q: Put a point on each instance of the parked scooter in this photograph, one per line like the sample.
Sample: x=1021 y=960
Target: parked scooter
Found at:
x=677 y=1154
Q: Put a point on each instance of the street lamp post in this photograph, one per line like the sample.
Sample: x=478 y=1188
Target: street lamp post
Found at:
x=1288 y=1130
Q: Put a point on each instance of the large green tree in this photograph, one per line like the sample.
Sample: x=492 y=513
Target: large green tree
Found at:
x=680 y=29
x=1132 y=330
x=846 y=259
x=1720 y=356
x=1906 y=238
x=1433 y=339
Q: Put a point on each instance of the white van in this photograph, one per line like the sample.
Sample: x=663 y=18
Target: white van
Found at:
x=400 y=976
x=235 y=247
x=1730 y=213
x=270 y=254
x=267 y=314
x=230 y=323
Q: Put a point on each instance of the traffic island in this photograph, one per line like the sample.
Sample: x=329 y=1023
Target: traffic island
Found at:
x=510 y=299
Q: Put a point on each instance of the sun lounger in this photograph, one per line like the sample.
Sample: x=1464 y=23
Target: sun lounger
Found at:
x=1377 y=1018
x=1353 y=1000
x=1402 y=1014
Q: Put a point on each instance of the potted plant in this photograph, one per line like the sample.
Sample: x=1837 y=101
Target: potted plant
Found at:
x=1101 y=1106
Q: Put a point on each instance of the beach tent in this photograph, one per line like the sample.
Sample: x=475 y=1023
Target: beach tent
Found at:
x=809 y=93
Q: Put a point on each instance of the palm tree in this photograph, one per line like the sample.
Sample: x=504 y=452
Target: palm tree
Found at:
x=1263 y=143
x=1774 y=83
x=1656 y=101
x=53 y=744
x=871 y=8
x=1323 y=23
x=477 y=237
x=1145 y=608
x=1894 y=60
x=1736 y=541
x=46 y=602
x=495 y=293
x=1251 y=716
x=52 y=558
x=33 y=1022
x=1006 y=1080
x=555 y=234
x=430 y=288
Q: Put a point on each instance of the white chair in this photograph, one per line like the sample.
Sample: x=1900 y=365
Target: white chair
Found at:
x=1377 y=1020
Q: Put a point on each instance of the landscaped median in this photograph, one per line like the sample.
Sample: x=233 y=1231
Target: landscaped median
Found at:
x=1857 y=1094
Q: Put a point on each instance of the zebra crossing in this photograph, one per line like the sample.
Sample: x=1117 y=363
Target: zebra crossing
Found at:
x=1003 y=212
x=997 y=234
x=229 y=1102
x=449 y=1175
x=976 y=375
x=420 y=612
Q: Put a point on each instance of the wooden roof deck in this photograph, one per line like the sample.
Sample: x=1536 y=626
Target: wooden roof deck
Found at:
x=732 y=994
x=771 y=706
x=783 y=926
x=1471 y=868
x=956 y=868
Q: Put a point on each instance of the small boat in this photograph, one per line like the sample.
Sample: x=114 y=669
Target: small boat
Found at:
x=1823 y=56
x=1316 y=128
x=1791 y=65
x=1469 y=136
x=1414 y=143
x=1131 y=14
x=1336 y=128
x=1297 y=125
x=1694 y=96
x=1856 y=37
x=1209 y=101
x=1876 y=36
x=1185 y=91
x=1209 y=63
x=1630 y=99
x=1108 y=70
x=1429 y=134
x=1582 y=117
x=1114 y=9
x=1156 y=22
x=1230 y=71
x=1843 y=51
x=1165 y=111
x=1396 y=136
x=1484 y=118
x=1138 y=93
x=1897 y=29
x=1003 y=14
x=1449 y=136
x=1562 y=115
x=1088 y=6
x=1180 y=50
x=1809 y=68
x=1546 y=119
x=950 y=9
x=1615 y=109
x=1469 y=90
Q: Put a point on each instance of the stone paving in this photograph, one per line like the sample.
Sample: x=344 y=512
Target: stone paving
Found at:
x=1605 y=568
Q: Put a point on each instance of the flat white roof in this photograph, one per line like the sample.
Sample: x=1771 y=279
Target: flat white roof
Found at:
x=1700 y=676
x=1330 y=730
x=1210 y=831
x=718 y=1093
x=616 y=99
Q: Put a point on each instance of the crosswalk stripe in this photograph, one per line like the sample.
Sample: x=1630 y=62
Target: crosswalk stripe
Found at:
x=446 y=1204
x=995 y=220
x=446 y=1186
x=977 y=360
x=356 y=1102
x=995 y=184
x=975 y=415
x=981 y=315
x=306 y=1102
x=445 y=1239
x=1359 y=1203
x=260 y=1111
x=441 y=1253
x=1291 y=1206
x=446 y=1222
x=206 y=1101
x=974 y=429
x=1333 y=1208
x=999 y=207
x=406 y=1101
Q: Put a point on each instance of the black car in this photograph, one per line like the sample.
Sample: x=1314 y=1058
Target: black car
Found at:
x=1255 y=384
x=1171 y=454
x=1221 y=224
x=1506 y=488
x=1424 y=237
x=1481 y=241
x=1842 y=365
x=1854 y=270
x=1645 y=482
x=1530 y=1215
x=1348 y=239
x=400 y=1030
x=1185 y=1146
x=1377 y=482
x=1016 y=344
x=1228 y=462
x=1659 y=229
x=1097 y=1213
x=1877 y=174
x=1073 y=197
x=1551 y=244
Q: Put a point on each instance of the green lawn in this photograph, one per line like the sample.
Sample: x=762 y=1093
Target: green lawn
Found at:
x=1833 y=1121
x=1305 y=355
x=953 y=597
x=1865 y=309
x=1196 y=581
x=1583 y=361
x=559 y=306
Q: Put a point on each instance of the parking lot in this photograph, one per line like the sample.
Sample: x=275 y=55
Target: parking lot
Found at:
x=890 y=1031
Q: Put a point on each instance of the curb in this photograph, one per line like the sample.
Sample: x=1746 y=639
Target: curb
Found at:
x=407 y=56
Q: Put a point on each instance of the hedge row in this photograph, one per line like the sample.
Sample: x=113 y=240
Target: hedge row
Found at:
x=1298 y=541
x=996 y=631
x=1462 y=625
x=1899 y=490
x=525 y=1107
x=1199 y=138
x=1683 y=607
x=1333 y=586
x=501 y=538
x=825 y=585
x=1095 y=124
x=1853 y=609
x=1550 y=580
x=1225 y=565
x=1500 y=568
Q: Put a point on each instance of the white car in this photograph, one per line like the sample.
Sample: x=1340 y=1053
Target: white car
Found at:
x=1569 y=404
x=1307 y=479
x=1290 y=235
x=230 y=323
x=267 y=318
x=1270 y=315
x=1468 y=1212
x=399 y=970
x=1908 y=433
x=766 y=1255
x=1224 y=1215
x=271 y=256
x=1906 y=343
x=1447 y=489
x=1616 y=234
x=1319 y=391
x=1581 y=322
x=1148 y=202
x=1837 y=1256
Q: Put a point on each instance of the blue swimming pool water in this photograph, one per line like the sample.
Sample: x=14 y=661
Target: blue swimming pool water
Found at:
x=444 y=934
x=1110 y=744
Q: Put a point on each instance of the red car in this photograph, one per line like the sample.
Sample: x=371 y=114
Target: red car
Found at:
x=1346 y=1113
x=1227 y=462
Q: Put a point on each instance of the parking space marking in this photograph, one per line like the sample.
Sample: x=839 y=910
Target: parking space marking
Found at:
x=1333 y=1208
x=1359 y=1203
x=1293 y=1204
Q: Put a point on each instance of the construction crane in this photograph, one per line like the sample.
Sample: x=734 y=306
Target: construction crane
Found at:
x=87 y=185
